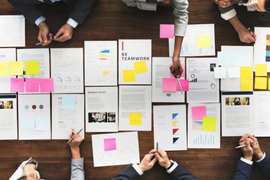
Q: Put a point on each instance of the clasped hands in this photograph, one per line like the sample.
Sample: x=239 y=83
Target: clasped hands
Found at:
x=252 y=147
x=65 y=33
x=152 y=157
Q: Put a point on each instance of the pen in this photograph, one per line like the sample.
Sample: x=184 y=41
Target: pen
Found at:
x=250 y=32
x=180 y=85
x=157 y=147
x=73 y=136
x=40 y=43
x=237 y=147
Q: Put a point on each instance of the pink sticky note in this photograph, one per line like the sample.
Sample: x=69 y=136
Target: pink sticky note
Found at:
x=32 y=85
x=169 y=84
x=109 y=144
x=198 y=112
x=46 y=85
x=166 y=31
x=183 y=73
x=184 y=84
x=16 y=85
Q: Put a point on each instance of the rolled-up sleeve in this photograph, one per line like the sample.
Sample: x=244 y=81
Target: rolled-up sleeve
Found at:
x=77 y=169
x=181 y=17
x=141 y=5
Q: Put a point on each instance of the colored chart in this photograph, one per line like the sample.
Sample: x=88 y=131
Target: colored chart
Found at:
x=197 y=125
x=267 y=58
x=106 y=54
x=206 y=140
x=175 y=129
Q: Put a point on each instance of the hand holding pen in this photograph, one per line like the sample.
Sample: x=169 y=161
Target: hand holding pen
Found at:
x=74 y=138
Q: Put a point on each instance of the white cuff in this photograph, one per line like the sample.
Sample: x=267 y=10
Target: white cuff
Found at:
x=39 y=20
x=261 y=158
x=228 y=15
x=136 y=167
x=246 y=161
x=72 y=23
x=251 y=8
x=175 y=164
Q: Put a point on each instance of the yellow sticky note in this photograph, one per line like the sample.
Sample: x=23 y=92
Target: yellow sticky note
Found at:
x=246 y=72
x=16 y=67
x=32 y=67
x=106 y=73
x=129 y=75
x=260 y=82
x=140 y=67
x=269 y=84
x=209 y=124
x=135 y=119
x=246 y=84
x=260 y=70
x=203 y=40
x=267 y=42
x=4 y=70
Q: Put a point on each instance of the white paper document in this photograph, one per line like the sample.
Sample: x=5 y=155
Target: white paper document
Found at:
x=67 y=70
x=101 y=109
x=38 y=54
x=170 y=127
x=100 y=63
x=204 y=125
x=160 y=70
x=203 y=87
x=237 y=113
x=135 y=58
x=190 y=41
x=34 y=117
x=261 y=114
x=65 y=119
x=6 y=55
x=8 y=117
x=12 y=31
x=115 y=149
x=262 y=46
x=135 y=108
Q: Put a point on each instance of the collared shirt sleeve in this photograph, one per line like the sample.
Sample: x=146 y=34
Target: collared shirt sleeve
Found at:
x=136 y=167
x=246 y=161
x=77 y=169
x=172 y=168
x=180 y=17
x=72 y=23
x=227 y=12
x=20 y=170
x=39 y=20
x=261 y=158
x=141 y=5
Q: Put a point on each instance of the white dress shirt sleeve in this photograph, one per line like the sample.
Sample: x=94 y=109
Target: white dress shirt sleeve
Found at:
x=136 y=167
x=246 y=161
x=72 y=23
x=39 y=20
x=262 y=157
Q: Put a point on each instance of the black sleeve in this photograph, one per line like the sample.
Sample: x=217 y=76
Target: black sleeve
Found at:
x=180 y=173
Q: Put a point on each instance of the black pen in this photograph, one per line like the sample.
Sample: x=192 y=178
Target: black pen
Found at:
x=250 y=32
x=157 y=147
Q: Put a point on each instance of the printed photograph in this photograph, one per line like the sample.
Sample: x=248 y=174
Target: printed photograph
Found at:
x=101 y=117
x=237 y=101
x=6 y=104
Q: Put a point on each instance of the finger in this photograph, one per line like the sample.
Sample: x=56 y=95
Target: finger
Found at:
x=158 y=157
x=152 y=163
x=244 y=137
x=58 y=34
x=253 y=138
x=248 y=145
x=38 y=176
x=255 y=36
x=152 y=151
x=40 y=38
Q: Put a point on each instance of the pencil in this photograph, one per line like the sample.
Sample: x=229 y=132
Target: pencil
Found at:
x=73 y=136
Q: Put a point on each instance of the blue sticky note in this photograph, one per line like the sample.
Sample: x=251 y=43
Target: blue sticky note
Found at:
x=42 y=124
x=68 y=102
x=27 y=124
x=239 y=59
x=267 y=53
x=224 y=58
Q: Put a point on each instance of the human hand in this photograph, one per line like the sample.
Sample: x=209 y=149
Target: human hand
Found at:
x=65 y=33
x=44 y=34
x=245 y=36
x=224 y=3
x=30 y=172
x=255 y=145
x=247 y=150
x=176 y=69
x=166 y=3
x=147 y=162
x=75 y=143
x=162 y=157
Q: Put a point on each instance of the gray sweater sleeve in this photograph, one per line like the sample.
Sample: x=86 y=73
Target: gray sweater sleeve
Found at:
x=181 y=17
x=77 y=169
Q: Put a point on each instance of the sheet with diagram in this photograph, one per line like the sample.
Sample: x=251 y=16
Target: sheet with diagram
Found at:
x=170 y=127
x=204 y=125
x=8 y=117
x=237 y=113
x=135 y=108
x=115 y=149
x=34 y=117
x=161 y=70
x=68 y=115
x=100 y=63
x=101 y=113
x=203 y=87
x=67 y=70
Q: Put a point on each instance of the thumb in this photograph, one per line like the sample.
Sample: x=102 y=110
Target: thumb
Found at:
x=58 y=33
x=152 y=163
x=158 y=157
x=248 y=145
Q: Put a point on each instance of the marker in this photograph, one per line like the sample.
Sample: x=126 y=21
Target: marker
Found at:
x=73 y=136
x=237 y=147
x=40 y=43
x=180 y=85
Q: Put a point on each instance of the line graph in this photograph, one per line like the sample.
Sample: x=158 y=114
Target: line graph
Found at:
x=72 y=64
x=264 y=113
x=118 y=153
x=67 y=114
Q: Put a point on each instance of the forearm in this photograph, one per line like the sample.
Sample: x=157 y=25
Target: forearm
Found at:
x=75 y=152
x=177 y=46
x=237 y=25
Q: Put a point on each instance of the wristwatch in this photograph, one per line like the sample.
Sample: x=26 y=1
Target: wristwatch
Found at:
x=32 y=161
